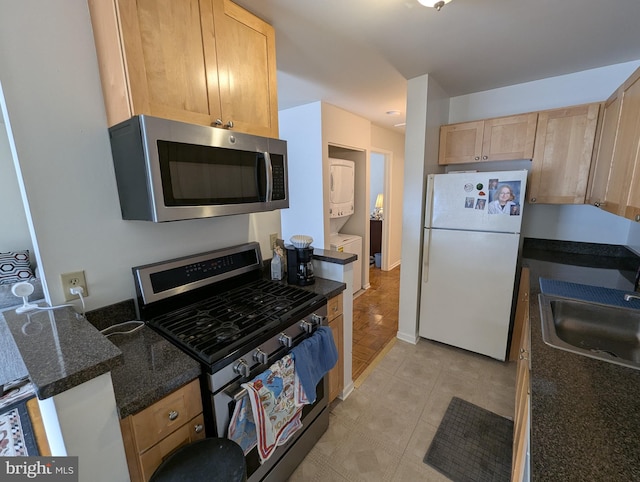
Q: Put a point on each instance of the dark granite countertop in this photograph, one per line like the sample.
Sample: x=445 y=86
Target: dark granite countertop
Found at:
x=152 y=368
x=336 y=257
x=11 y=365
x=585 y=413
x=60 y=349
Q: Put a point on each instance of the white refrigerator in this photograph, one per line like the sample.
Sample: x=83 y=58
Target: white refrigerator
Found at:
x=470 y=253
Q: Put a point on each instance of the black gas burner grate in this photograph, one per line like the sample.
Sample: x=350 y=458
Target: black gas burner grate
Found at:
x=215 y=326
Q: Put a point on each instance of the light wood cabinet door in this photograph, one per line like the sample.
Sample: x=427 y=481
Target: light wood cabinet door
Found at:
x=336 y=323
x=152 y=59
x=246 y=57
x=522 y=309
x=562 y=155
x=523 y=393
x=206 y=62
x=499 y=139
x=601 y=166
x=627 y=150
x=336 y=374
x=150 y=435
x=461 y=143
x=509 y=138
x=152 y=458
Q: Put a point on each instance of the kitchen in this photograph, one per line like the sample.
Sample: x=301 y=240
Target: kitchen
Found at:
x=76 y=221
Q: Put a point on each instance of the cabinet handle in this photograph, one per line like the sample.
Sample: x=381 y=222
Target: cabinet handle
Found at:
x=173 y=414
x=229 y=125
x=638 y=217
x=533 y=199
x=217 y=122
x=477 y=158
x=596 y=204
x=198 y=427
x=523 y=357
x=485 y=158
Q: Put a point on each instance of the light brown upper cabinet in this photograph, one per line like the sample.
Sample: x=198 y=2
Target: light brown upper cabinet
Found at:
x=625 y=168
x=601 y=165
x=562 y=154
x=206 y=62
x=499 y=139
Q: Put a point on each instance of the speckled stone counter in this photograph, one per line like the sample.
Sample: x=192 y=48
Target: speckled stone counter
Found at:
x=60 y=349
x=585 y=413
x=336 y=257
x=11 y=364
x=152 y=369
x=326 y=288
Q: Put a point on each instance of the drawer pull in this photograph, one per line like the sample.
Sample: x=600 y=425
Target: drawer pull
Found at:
x=173 y=414
x=523 y=357
x=198 y=427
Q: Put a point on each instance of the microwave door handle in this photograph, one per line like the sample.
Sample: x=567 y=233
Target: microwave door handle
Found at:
x=269 y=172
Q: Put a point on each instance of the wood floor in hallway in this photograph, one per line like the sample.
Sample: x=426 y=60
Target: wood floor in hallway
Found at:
x=375 y=317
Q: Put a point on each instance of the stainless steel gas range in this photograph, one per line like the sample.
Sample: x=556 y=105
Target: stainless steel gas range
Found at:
x=218 y=308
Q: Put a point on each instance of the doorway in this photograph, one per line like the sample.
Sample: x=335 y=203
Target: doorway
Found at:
x=379 y=209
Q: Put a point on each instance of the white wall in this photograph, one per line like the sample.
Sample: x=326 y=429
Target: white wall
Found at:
x=427 y=109
x=49 y=73
x=566 y=222
x=393 y=144
x=14 y=231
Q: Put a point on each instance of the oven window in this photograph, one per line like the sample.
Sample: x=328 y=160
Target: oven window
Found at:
x=203 y=175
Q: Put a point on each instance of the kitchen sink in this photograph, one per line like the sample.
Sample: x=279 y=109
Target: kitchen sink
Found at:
x=605 y=332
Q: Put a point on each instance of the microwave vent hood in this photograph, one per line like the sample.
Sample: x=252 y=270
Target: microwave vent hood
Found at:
x=169 y=171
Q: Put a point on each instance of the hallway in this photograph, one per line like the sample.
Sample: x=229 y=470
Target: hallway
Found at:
x=375 y=318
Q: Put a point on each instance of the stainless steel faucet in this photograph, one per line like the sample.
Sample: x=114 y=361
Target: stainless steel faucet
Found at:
x=629 y=297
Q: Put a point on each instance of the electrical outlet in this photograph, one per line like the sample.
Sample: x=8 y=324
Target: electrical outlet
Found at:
x=272 y=240
x=70 y=280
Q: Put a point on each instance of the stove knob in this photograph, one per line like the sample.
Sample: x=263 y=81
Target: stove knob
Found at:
x=242 y=368
x=285 y=340
x=260 y=356
x=306 y=326
x=317 y=319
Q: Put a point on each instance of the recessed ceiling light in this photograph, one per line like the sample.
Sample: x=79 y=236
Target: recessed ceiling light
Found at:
x=393 y=112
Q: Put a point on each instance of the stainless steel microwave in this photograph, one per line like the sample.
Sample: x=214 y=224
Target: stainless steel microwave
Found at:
x=168 y=170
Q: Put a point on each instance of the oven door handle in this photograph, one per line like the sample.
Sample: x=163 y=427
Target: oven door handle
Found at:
x=239 y=394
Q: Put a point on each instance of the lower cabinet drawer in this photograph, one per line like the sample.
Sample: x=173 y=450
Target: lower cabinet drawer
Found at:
x=153 y=457
x=163 y=417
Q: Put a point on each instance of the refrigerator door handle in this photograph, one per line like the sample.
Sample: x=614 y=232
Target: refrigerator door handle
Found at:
x=425 y=257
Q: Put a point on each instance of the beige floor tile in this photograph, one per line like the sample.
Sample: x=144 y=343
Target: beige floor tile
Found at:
x=312 y=470
x=384 y=428
x=409 y=471
x=420 y=441
x=366 y=457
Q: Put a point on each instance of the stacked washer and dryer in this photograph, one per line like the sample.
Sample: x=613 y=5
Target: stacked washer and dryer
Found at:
x=341 y=207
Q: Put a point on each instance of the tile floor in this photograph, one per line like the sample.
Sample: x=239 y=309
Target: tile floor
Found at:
x=383 y=429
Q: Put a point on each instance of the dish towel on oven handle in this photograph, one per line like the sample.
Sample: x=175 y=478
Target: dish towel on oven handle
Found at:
x=274 y=416
x=314 y=357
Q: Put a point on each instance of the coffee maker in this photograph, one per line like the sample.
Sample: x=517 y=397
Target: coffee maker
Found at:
x=299 y=256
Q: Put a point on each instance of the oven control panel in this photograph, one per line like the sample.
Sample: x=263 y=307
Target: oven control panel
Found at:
x=254 y=360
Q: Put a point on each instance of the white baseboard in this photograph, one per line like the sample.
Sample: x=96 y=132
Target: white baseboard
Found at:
x=409 y=338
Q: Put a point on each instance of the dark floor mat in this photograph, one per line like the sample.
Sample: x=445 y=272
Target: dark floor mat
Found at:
x=472 y=444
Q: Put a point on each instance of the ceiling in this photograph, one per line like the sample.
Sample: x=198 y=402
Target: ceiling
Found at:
x=358 y=54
